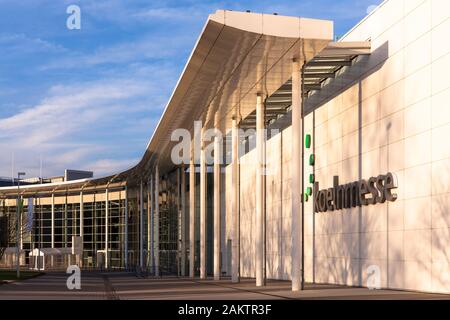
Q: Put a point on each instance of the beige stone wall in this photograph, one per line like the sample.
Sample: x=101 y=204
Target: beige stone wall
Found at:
x=278 y=206
x=395 y=119
x=247 y=214
x=278 y=202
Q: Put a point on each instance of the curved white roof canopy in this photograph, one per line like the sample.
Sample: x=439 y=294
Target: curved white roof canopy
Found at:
x=237 y=55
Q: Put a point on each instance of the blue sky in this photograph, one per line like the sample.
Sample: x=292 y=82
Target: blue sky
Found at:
x=90 y=98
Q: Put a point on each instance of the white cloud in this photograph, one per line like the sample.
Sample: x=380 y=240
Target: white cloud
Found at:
x=104 y=167
x=145 y=48
x=175 y=13
x=66 y=127
x=66 y=110
x=19 y=43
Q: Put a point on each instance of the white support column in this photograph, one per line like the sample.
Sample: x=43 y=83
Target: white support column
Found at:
x=126 y=228
x=260 y=166
x=217 y=163
x=152 y=224
x=106 y=229
x=149 y=223
x=141 y=226
x=296 y=182
x=52 y=228
x=179 y=238
x=235 y=258
x=202 y=209
x=53 y=221
x=21 y=226
x=81 y=215
x=156 y=221
x=79 y=258
x=192 y=214
x=183 y=221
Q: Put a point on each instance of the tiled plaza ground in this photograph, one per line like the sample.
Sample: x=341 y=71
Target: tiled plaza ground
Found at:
x=128 y=286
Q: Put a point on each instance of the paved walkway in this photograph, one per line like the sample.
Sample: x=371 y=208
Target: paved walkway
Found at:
x=128 y=286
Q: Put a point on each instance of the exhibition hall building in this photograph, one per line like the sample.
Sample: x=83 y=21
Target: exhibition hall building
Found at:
x=284 y=152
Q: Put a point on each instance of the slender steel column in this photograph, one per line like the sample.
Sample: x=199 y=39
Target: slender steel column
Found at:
x=296 y=182
x=141 y=226
x=217 y=162
x=179 y=231
x=192 y=214
x=126 y=228
x=235 y=257
x=81 y=215
x=202 y=208
x=65 y=221
x=53 y=221
x=260 y=166
x=183 y=221
x=21 y=225
x=81 y=224
x=106 y=228
x=149 y=224
x=152 y=223
x=156 y=221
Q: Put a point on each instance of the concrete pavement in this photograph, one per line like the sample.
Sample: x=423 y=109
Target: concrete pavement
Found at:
x=122 y=285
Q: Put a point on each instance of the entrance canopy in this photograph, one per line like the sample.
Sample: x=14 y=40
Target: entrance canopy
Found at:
x=50 y=258
x=50 y=252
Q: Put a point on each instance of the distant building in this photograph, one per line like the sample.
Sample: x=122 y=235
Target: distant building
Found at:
x=5 y=182
x=69 y=175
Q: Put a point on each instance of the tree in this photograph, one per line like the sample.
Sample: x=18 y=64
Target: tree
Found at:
x=3 y=235
x=8 y=228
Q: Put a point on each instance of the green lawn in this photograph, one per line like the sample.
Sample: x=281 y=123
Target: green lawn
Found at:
x=11 y=275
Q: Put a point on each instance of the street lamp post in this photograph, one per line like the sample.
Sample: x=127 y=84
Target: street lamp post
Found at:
x=19 y=174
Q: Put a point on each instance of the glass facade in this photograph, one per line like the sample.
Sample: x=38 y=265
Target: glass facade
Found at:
x=168 y=226
x=105 y=218
x=67 y=214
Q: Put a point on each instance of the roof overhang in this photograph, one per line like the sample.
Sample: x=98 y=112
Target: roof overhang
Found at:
x=237 y=55
x=325 y=65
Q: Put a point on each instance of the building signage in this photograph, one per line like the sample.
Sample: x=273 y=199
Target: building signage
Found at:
x=359 y=193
